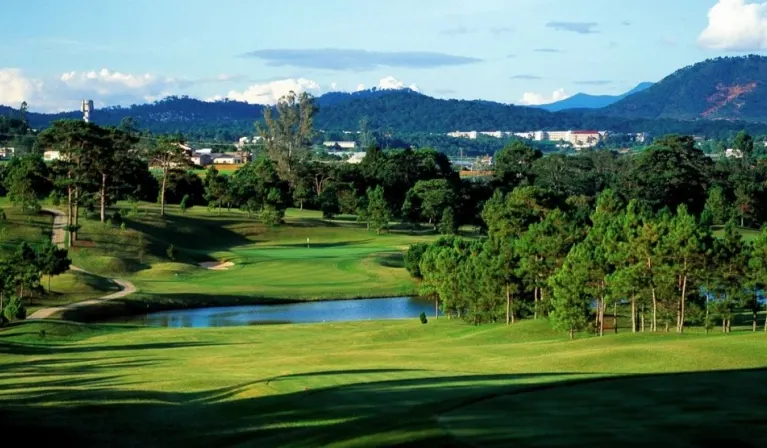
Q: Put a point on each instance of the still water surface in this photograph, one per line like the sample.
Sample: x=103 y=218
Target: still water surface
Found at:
x=305 y=312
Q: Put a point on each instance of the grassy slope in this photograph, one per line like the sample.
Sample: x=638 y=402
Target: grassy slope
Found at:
x=20 y=227
x=378 y=383
x=35 y=229
x=343 y=260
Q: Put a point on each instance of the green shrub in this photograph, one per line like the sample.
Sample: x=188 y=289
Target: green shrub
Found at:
x=171 y=252
x=423 y=318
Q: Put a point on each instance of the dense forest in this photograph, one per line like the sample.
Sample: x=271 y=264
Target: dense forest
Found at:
x=716 y=89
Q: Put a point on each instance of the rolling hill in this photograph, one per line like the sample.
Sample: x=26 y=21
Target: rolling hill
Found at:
x=717 y=89
x=588 y=101
x=715 y=97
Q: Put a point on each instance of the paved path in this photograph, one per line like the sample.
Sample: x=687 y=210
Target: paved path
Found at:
x=59 y=237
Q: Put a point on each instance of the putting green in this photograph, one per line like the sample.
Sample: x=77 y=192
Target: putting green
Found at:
x=305 y=258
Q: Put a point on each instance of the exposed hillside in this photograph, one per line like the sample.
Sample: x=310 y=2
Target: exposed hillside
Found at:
x=723 y=88
x=587 y=101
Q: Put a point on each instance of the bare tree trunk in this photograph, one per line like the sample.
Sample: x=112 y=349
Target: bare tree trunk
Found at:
x=75 y=218
x=540 y=301
x=642 y=318
x=162 y=192
x=70 y=222
x=103 y=194
x=572 y=333
x=654 y=326
x=615 y=316
x=681 y=310
x=633 y=314
x=707 y=313
x=601 y=312
x=508 y=305
x=535 y=303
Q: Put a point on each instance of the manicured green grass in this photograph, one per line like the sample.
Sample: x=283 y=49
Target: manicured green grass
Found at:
x=378 y=384
x=19 y=227
x=341 y=260
x=71 y=287
x=746 y=233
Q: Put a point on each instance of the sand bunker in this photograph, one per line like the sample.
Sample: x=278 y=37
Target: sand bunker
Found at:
x=216 y=265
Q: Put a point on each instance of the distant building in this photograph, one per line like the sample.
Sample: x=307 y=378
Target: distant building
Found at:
x=733 y=153
x=51 y=155
x=227 y=159
x=472 y=135
x=356 y=158
x=585 y=139
x=6 y=153
x=341 y=145
x=201 y=159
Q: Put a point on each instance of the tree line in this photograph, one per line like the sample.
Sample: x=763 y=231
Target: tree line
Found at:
x=635 y=232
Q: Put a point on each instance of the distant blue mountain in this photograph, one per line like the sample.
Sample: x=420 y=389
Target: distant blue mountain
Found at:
x=586 y=101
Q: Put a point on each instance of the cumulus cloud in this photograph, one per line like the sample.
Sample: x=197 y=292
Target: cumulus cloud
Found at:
x=735 y=25
x=357 y=60
x=392 y=83
x=270 y=92
x=15 y=88
x=535 y=99
x=106 y=87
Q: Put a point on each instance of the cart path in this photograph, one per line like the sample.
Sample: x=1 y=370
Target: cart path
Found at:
x=58 y=236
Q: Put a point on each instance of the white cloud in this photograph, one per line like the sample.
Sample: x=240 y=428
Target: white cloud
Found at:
x=15 y=88
x=535 y=99
x=392 y=83
x=334 y=86
x=269 y=93
x=735 y=25
x=360 y=87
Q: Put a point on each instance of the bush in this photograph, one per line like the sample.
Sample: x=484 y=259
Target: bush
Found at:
x=423 y=318
x=116 y=218
x=272 y=216
x=171 y=252
x=14 y=310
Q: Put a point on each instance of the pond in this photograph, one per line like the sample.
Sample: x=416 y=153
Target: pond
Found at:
x=303 y=312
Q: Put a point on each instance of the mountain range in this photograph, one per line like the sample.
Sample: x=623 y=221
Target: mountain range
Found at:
x=588 y=101
x=723 y=94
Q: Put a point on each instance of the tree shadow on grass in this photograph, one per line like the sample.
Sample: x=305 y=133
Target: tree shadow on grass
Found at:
x=438 y=410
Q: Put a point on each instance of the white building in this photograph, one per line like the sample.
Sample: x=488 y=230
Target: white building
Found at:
x=356 y=158
x=342 y=145
x=51 y=155
x=201 y=159
x=227 y=159
x=733 y=153
x=471 y=135
x=7 y=152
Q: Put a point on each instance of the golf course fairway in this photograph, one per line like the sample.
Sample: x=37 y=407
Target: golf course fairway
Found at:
x=382 y=383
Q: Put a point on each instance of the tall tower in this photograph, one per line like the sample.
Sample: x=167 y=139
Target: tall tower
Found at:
x=86 y=107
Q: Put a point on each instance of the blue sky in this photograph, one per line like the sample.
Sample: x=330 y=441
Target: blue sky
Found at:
x=513 y=51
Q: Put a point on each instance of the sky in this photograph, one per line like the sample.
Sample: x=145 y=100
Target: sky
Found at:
x=55 y=53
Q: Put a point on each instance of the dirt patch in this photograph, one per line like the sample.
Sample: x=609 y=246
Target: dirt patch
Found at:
x=217 y=265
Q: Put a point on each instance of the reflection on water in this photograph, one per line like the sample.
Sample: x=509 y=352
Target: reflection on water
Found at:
x=305 y=312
